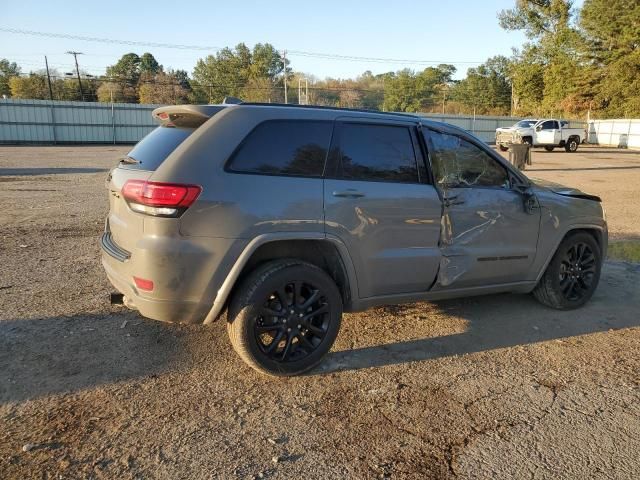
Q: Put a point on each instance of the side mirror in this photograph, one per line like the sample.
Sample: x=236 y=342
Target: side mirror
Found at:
x=538 y=128
x=530 y=201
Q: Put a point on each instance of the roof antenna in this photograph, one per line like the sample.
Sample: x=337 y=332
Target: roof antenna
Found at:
x=231 y=101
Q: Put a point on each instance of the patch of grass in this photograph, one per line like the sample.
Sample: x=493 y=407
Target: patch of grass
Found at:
x=626 y=250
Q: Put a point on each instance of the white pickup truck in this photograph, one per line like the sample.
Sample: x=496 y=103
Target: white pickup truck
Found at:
x=548 y=133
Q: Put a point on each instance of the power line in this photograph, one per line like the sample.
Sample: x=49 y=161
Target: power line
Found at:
x=106 y=40
x=302 y=53
x=500 y=99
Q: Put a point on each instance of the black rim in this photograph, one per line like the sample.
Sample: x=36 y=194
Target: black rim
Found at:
x=577 y=271
x=293 y=322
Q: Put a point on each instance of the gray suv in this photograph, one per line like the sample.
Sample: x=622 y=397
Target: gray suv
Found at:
x=286 y=216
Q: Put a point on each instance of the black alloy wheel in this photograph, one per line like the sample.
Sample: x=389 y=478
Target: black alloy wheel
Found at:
x=577 y=271
x=284 y=317
x=293 y=321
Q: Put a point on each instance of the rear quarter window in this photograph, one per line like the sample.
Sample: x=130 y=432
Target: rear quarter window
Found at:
x=152 y=150
x=284 y=147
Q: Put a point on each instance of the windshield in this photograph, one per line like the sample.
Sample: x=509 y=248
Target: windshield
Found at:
x=525 y=123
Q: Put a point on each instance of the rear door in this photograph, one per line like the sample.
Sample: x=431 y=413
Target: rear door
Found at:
x=381 y=204
x=488 y=237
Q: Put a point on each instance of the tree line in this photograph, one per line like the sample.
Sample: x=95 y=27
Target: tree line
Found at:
x=573 y=62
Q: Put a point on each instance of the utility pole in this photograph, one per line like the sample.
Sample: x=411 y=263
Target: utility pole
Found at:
x=284 y=61
x=75 y=57
x=53 y=115
x=46 y=64
x=511 y=112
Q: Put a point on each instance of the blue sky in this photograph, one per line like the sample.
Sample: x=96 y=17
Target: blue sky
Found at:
x=463 y=32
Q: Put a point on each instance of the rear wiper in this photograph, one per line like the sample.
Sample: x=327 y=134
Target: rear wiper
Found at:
x=129 y=160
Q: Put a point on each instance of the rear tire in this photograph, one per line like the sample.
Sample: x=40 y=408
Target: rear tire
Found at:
x=573 y=273
x=285 y=317
x=572 y=145
x=549 y=148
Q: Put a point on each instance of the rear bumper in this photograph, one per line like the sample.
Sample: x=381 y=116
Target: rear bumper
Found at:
x=163 y=310
x=186 y=272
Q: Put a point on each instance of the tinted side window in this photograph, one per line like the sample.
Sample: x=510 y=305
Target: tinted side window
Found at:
x=376 y=153
x=459 y=163
x=549 y=125
x=284 y=148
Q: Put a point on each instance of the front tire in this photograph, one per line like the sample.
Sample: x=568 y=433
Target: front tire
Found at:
x=573 y=273
x=285 y=317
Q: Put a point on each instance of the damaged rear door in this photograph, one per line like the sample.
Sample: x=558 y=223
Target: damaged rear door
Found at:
x=487 y=234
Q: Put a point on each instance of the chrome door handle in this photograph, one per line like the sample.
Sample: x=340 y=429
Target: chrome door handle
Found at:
x=350 y=193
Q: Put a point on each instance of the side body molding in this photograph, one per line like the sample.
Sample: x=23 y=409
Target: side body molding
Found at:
x=234 y=273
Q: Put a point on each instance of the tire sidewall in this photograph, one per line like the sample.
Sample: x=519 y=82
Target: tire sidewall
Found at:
x=245 y=315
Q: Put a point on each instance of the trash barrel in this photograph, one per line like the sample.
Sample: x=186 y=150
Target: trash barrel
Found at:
x=520 y=155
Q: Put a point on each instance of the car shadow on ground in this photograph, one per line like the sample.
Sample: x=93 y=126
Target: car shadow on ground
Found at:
x=583 y=169
x=27 y=172
x=499 y=321
x=595 y=150
x=64 y=354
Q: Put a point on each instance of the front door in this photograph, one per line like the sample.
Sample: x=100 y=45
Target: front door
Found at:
x=487 y=237
x=379 y=202
x=548 y=133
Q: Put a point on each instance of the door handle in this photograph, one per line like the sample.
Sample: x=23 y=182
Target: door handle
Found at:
x=349 y=193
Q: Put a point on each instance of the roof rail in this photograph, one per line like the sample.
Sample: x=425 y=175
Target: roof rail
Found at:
x=322 y=107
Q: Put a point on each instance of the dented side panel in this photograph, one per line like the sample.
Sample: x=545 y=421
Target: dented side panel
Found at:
x=486 y=237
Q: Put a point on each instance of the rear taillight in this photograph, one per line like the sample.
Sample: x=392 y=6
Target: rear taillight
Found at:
x=143 y=284
x=159 y=199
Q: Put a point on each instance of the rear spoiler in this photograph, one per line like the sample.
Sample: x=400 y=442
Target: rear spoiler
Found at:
x=188 y=116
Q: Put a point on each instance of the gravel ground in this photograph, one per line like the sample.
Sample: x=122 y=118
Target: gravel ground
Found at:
x=490 y=387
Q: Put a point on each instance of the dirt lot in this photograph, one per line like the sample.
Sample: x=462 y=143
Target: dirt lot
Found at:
x=492 y=387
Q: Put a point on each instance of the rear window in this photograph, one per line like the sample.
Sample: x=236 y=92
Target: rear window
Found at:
x=153 y=149
x=283 y=147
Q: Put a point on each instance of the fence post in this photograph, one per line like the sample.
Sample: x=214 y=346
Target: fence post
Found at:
x=53 y=122
x=113 y=118
x=473 y=125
